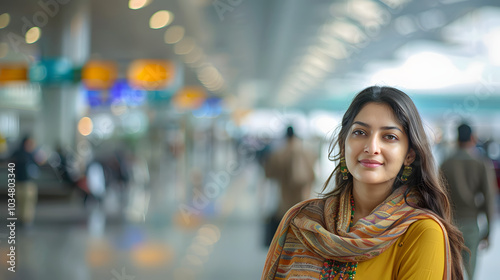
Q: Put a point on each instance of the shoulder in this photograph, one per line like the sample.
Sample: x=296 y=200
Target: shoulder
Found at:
x=424 y=231
x=425 y=224
x=310 y=204
x=422 y=251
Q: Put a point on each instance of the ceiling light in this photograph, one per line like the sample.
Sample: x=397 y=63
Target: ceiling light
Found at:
x=160 y=19
x=367 y=12
x=184 y=46
x=207 y=74
x=432 y=19
x=306 y=79
x=397 y=4
x=33 y=35
x=138 y=4
x=318 y=59
x=314 y=71
x=4 y=20
x=174 y=34
x=85 y=126
x=405 y=25
x=333 y=48
x=194 y=56
x=347 y=32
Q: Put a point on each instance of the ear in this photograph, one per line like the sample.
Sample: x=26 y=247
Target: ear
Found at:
x=410 y=157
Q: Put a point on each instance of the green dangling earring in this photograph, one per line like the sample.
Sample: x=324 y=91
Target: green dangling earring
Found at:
x=343 y=168
x=406 y=173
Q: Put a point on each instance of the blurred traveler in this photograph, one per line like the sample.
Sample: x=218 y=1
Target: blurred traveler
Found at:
x=63 y=164
x=26 y=170
x=493 y=152
x=292 y=167
x=472 y=187
x=96 y=181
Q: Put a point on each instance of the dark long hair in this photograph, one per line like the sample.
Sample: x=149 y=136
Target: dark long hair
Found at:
x=425 y=178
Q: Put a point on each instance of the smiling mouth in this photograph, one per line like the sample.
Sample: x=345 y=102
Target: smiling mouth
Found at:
x=370 y=163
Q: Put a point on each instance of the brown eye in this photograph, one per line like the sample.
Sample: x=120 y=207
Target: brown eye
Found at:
x=391 y=137
x=358 y=132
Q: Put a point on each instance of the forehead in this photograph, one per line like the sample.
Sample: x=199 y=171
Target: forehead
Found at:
x=377 y=113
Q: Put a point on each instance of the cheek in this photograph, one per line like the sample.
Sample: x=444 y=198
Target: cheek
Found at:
x=351 y=154
x=398 y=156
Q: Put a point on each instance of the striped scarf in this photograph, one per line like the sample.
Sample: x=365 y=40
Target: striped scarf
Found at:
x=318 y=229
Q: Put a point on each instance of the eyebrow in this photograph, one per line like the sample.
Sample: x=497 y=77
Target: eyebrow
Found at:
x=383 y=127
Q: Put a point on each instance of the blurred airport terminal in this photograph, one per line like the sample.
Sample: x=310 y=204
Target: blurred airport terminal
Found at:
x=148 y=121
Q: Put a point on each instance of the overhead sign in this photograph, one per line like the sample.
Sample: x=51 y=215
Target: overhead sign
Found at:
x=151 y=74
x=119 y=93
x=99 y=75
x=190 y=97
x=13 y=73
x=52 y=71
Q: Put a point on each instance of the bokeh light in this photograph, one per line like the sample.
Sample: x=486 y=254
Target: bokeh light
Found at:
x=33 y=35
x=212 y=232
x=160 y=19
x=85 y=126
x=185 y=46
x=4 y=20
x=174 y=34
x=138 y=4
x=152 y=255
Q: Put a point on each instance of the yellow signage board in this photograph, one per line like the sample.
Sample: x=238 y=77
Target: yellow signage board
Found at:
x=150 y=74
x=190 y=97
x=13 y=73
x=99 y=75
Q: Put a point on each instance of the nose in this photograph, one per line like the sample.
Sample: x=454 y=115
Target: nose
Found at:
x=372 y=145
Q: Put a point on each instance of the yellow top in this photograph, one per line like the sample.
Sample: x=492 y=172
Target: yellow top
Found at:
x=418 y=254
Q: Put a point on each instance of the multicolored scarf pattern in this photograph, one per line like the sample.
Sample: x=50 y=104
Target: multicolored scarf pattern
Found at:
x=318 y=229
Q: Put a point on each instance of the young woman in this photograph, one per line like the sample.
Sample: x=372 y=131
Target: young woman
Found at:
x=389 y=214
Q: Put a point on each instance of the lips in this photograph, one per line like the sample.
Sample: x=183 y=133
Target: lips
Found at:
x=370 y=163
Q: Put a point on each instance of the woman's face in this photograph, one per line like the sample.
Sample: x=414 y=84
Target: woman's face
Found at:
x=376 y=146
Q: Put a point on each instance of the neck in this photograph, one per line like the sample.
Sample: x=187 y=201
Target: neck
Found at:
x=367 y=197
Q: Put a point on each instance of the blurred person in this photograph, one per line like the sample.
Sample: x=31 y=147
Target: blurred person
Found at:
x=118 y=171
x=472 y=187
x=388 y=216
x=63 y=164
x=26 y=170
x=493 y=152
x=263 y=150
x=440 y=148
x=292 y=167
x=138 y=193
x=120 y=167
x=95 y=182
x=139 y=171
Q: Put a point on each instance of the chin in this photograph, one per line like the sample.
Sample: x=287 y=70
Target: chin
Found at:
x=373 y=182
x=370 y=179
